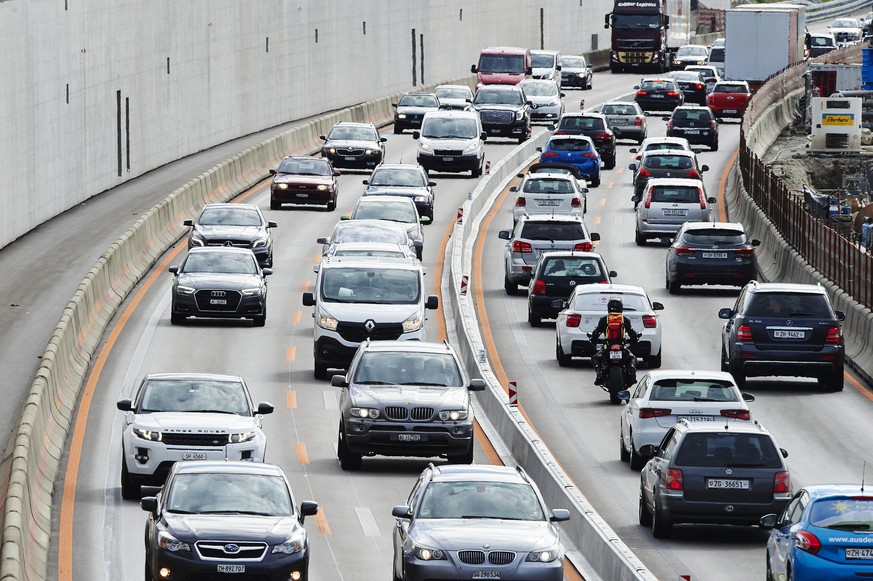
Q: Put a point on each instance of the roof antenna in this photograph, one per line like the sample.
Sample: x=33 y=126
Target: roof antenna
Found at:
x=863 y=474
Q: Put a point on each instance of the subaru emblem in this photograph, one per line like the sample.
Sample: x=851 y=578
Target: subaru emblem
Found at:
x=231 y=548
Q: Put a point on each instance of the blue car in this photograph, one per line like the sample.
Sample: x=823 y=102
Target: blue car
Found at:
x=825 y=532
x=576 y=150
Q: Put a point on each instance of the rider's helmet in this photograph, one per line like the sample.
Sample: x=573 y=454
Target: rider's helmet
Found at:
x=614 y=306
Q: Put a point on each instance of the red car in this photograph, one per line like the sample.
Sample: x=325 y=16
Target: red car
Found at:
x=304 y=180
x=729 y=98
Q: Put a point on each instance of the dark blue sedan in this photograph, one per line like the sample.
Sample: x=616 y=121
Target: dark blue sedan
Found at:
x=576 y=150
x=825 y=532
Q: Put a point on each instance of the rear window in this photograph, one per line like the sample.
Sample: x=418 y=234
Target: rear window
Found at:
x=597 y=302
x=571 y=267
x=788 y=305
x=850 y=514
x=693 y=390
x=618 y=110
x=716 y=55
x=581 y=123
x=553 y=231
x=569 y=145
x=715 y=237
x=662 y=146
x=548 y=186
x=692 y=115
x=727 y=449
x=667 y=162
x=657 y=86
x=732 y=89
x=675 y=194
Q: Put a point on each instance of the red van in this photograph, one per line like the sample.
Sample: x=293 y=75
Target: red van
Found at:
x=503 y=65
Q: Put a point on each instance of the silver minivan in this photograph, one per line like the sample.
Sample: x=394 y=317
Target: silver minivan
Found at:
x=667 y=203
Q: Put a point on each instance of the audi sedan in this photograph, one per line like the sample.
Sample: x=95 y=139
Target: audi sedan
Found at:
x=219 y=282
x=238 y=225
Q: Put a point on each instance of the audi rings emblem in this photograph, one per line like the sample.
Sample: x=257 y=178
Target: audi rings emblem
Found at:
x=370 y=325
x=231 y=548
x=218 y=294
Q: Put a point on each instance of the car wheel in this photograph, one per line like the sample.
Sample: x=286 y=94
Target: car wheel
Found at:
x=176 y=319
x=714 y=145
x=833 y=382
x=347 y=459
x=534 y=320
x=674 y=286
x=397 y=130
x=735 y=369
x=320 y=370
x=610 y=163
x=639 y=238
x=476 y=172
x=510 y=287
x=623 y=454
x=768 y=576
x=331 y=206
x=636 y=460
x=274 y=205
x=725 y=363
x=654 y=361
x=595 y=182
x=465 y=458
x=564 y=360
x=430 y=215
x=259 y=320
x=522 y=139
x=661 y=527
x=130 y=490
x=644 y=517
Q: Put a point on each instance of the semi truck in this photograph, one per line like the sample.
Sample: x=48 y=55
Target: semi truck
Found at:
x=646 y=32
x=762 y=39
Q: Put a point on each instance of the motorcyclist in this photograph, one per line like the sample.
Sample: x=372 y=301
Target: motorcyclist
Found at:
x=617 y=329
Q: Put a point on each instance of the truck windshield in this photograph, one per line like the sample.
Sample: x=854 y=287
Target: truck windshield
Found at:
x=501 y=63
x=630 y=21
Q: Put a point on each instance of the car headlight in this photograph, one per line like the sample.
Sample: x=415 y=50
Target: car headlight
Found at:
x=185 y=290
x=289 y=547
x=241 y=437
x=150 y=435
x=196 y=238
x=325 y=321
x=421 y=199
x=369 y=151
x=401 y=115
x=281 y=186
x=251 y=292
x=322 y=188
x=546 y=555
x=519 y=115
x=424 y=146
x=453 y=415
x=331 y=150
x=581 y=75
x=260 y=242
x=371 y=413
x=428 y=554
x=472 y=147
x=413 y=323
x=171 y=543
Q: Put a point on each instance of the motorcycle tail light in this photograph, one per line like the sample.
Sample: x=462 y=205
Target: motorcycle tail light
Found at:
x=649 y=321
x=539 y=287
x=673 y=479
x=649 y=413
x=574 y=320
x=744 y=333
x=615 y=347
x=737 y=414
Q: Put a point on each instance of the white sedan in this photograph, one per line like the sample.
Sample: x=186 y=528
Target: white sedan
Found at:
x=662 y=397
x=587 y=304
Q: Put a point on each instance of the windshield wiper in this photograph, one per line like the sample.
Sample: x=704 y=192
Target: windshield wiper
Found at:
x=423 y=383
x=374 y=382
x=215 y=412
x=847 y=526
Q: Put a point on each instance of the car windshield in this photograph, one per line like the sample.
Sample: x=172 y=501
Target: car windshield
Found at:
x=850 y=514
x=538 y=89
x=352 y=232
x=488 y=97
x=714 y=237
x=635 y=21
x=404 y=368
x=723 y=449
x=219 y=493
x=553 y=231
x=717 y=54
x=845 y=23
x=418 y=101
x=689 y=50
x=577 y=123
x=542 y=60
x=305 y=167
x=193 y=395
x=501 y=63
x=667 y=162
x=572 y=266
x=693 y=390
x=350 y=133
x=393 y=212
x=573 y=62
x=822 y=41
x=788 y=305
x=726 y=88
x=569 y=145
x=675 y=194
x=398 y=177
x=452 y=93
x=548 y=186
x=492 y=500
x=597 y=302
x=371 y=285
x=220 y=262
x=449 y=128
x=229 y=216
x=618 y=109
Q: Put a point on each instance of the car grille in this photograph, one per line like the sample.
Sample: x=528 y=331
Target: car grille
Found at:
x=447 y=152
x=300 y=188
x=246 y=551
x=349 y=151
x=497 y=117
x=402 y=413
x=356 y=332
x=170 y=439
x=494 y=557
x=234 y=243
x=204 y=296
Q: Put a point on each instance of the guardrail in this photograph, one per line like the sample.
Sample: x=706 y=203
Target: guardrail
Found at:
x=817 y=12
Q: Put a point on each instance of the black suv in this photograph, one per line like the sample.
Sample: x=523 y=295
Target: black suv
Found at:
x=714 y=474
x=504 y=111
x=405 y=398
x=692 y=84
x=658 y=94
x=696 y=124
x=783 y=329
x=597 y=127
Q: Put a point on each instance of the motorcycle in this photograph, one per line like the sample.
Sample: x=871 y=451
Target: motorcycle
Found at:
x=619 y=370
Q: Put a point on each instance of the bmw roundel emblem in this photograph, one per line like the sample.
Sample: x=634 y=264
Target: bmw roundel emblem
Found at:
x=231 y=548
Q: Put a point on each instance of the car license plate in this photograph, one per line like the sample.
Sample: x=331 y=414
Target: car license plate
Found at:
x=495 y=130
x=692 y=131
x=448 y=159
x=194 y=456
x=231 y=568
x=854 y=553
x=217 y=301
x=675 y=212
x=696 y=418
x=657 y=96
x=785 y=334
x=548 y=202
x=349 y=158
x=728 y=110
x=715 y=254
x=615 y=355
x=730 y=483
x=486 y=574
x=302 y=195
x=409 y=437
x=618 y=121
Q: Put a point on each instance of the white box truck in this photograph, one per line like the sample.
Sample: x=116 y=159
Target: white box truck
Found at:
x=762 y=39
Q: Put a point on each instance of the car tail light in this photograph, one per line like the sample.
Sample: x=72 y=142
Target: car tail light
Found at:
x=559 y=132
x=584 y=247
x=737 y=414
x=782 y=483
x=699 y=86
x=642 y=93
x=644 y=173
x=539 y=287
x=522 y=247
x=744 y=333
x=603 y=135
x=672 y=94
x=683 y=251
x=648 y=203
x=638 y=121
x=670 y=124
x=576 y=203
x=549 y=154
x=648 y=413
x=590 y=154
x=693 y=174
x=673 y=479
x=650 y=321
x=833 y=335
x=574 y=320
x=702 y=199
x=806 y=541
x=712 y=124
x=748 y=251
x=520 y=201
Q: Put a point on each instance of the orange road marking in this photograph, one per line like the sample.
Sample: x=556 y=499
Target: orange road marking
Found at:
x=290 y=353
x=442 y=334
x=722 y=184
x=305 y=286
x=302 y=456
x=321 y=522
x=295 y=318
x=598 y=219
x=601 y=202
x=317 y=258
x=291 y=399
x=609 y=185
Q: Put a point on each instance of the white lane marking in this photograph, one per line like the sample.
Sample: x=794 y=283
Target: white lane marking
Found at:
x=331 y=401
x=368 y=522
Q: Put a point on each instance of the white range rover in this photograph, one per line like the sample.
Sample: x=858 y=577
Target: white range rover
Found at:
x=187 y=416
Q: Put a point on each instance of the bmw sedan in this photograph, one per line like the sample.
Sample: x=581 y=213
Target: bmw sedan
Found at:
x=219 y=282
x=238 y=225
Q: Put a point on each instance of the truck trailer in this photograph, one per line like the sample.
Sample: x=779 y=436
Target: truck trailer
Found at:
x=646 y=32
x=761 y=40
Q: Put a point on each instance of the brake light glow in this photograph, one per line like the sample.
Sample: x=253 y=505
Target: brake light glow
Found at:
x=644 y=173
x=590 y=154
x=683 y=251
x=833 y=335
x=702 y=199
x=737 y=414
x=673 y=479
x=782 y=483
x=574 y=320
x=744 y=333
x=806 y=541
x=699 y=86
x=584 y=247
x=693 y=174
x=603 y=135
x=639 y=121
x=576 y=203
x=559 y=132
x=642 y=93
x=650 y=321
x=522 y=247
x=672 y=94
x=748 y=251
x=648 y=413
x=549 y=154
x=539 y=287
x=520 y=201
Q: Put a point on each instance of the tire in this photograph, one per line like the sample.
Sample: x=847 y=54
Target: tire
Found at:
x=639 y=238
x=589 y=85
x=347 y=459
x=640 y=140
x=465 y=458
x=522 y=139
x=564 y=360
x=130 y=490
x=331 y=206
x=476 y=172
x=714 y=146
x=614 y=69
x=176 y=319
x=595 y=182
x=615 y=383
x=636 y=461
x=259 y=320
x=644 y=517
x=768 y=576
x=725 y=364
x=833 y=382
x=510 y=287
x=534 y=320
x=320 y=370
x=739 y=376
x=654 y=361
x=274 y=205
x=661 y=527
x=623 y=454
x=674 y=287
x=397 y=130
x=610 y=164
x=148 y=570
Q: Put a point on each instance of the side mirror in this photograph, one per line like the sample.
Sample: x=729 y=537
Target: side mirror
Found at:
x=612 y=274
x=633 y=150
x=383 y=139
x=784 y=452
x=623 y=395
x=632 y=166
x=560 y=515
x=552 y=127
x=483 y=136
x=124 y=405
x=768 y=521
x=595 y=237
x=747 y=396
x=272 y=172
x=704 y=167
x=308 y=300
x=366 y=182
x=323 y=137
x=504 y=234
x=345 y=217
x=174 y=269
x=648 y=450
x=725 y=313
x=756 y=242
x=337 y=173
x=431 y=184
x=656 y=306
x=539 y=149
x=266 y=271
x=272 y=224
x=316 y=268
x=394 y=105
x=636 y=87
x=308 y=508
x=563 y=95
x=188 y=223
x=559 y=304
x=323 y=240
x=433 y=302
x=476 y=385
x=265 y=408
x=711 y=200
x=416 y=134
x=149 y=504
x=473 y=69
x=339 y=381
x=841 y=316
x=401 y=512
x=513 y=189
x=519 y=175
